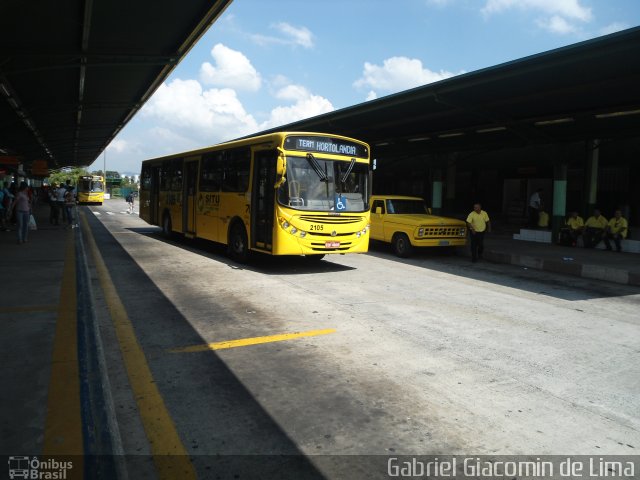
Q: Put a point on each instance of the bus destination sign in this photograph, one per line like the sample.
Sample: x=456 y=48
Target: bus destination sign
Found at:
x=330 y=145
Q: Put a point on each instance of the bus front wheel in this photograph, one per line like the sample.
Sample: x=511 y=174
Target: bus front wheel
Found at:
x=238 y=244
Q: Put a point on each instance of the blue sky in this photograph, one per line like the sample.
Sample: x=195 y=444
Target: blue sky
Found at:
x=268 y=63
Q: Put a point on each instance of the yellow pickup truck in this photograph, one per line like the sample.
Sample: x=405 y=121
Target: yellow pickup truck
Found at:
x=406 y=222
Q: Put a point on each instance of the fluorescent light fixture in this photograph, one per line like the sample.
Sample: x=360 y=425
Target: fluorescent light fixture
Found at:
x=555 y=122
x=381 y=144
x=13 y=102
x=618 y=114
x=450 y=135
x=492 y=129
x=4 y=89
x=419 y=139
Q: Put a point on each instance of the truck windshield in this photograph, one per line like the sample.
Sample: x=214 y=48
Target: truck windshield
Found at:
x=325 y=185
x=404 y=207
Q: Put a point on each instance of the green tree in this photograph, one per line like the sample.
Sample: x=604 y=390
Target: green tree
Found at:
x=71 y=174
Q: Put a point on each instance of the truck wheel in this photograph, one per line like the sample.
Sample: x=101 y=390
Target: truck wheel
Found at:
x=401 y=245
x=238 y=247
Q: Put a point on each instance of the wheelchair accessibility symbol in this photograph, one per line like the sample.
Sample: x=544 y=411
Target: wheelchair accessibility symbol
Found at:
x=340 y=203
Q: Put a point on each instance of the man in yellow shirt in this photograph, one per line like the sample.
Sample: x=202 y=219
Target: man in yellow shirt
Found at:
x=573 y=229
x=617 y=230
x=479 y=223
x=594 y=229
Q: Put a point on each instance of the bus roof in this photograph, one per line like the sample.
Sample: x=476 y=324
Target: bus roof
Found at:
x=256 y=140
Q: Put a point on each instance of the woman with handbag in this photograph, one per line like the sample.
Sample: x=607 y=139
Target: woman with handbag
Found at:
x=22 y=206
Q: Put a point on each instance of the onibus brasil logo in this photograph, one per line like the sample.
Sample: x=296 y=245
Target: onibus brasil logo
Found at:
x=33 y=468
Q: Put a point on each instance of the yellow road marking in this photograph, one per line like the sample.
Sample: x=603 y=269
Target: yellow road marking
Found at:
x=243 y=342
x=63 y=426
x=169 y=454
x=31 y=308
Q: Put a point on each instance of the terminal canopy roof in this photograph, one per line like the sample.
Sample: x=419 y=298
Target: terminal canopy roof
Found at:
x=583 y=91
x=74 y=72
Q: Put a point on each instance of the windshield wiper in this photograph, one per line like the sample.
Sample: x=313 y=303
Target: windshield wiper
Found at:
x=316 y=167
x=349 y=168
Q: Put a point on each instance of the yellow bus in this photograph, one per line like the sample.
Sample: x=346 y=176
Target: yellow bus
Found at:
x=287 y=193
x=90 y=189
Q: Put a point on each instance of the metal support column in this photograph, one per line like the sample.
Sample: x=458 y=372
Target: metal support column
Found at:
x=559 y=198
x=436 y=191
x=591 y=177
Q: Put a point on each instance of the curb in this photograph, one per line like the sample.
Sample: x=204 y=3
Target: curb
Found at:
x=576 y=269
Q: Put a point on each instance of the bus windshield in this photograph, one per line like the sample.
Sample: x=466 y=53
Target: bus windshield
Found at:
x=403 y=207
x=325 y=185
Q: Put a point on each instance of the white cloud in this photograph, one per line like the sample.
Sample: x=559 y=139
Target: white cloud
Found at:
x=566 y=8
x=118 y=145
x=231 y=69
x=561 y=16
x=556 y=24
x=396 y=74
x=208 y=115
x=371 y=95
x=305 y=105
x=298 y=35
x=289 y=35
x=613 y=27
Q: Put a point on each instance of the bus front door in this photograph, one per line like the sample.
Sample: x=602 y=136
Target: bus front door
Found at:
x=262 y=213
x=189 y=201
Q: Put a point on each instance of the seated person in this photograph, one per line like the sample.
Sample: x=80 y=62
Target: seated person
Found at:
x=543 y=219
x=572 y=230
x=594 y=230
x=616 y=230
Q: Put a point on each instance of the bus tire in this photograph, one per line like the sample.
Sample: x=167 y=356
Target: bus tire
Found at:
x=238 y=246
x=401 y=245
x=166 y=226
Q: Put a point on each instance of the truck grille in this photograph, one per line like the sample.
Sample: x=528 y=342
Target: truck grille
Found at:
x=443 y=231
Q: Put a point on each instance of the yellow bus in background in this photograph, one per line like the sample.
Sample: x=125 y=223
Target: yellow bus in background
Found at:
x=90 y=189
x=287 y=193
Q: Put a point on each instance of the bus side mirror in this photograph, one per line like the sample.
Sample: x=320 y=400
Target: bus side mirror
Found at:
x=281 y=168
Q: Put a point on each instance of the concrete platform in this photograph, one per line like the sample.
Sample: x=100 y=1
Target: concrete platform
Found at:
x=593 y=264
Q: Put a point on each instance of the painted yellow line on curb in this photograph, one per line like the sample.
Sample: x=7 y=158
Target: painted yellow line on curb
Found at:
x=243 y=342
x=30 y=308
x=169 y=454
x=63 y=426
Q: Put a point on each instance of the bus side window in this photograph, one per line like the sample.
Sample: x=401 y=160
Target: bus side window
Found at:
x=236 y=170
x=145 y=182
x=211 y=172
x=176 y=174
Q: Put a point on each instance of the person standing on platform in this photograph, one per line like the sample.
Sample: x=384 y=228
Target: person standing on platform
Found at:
x=594 y=229
x=479 y=223
x=22 y=207
x=617 y=230
x=535 y=204
x=54 y=214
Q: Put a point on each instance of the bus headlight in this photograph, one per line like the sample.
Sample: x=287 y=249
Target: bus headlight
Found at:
x=303 y=234
x=358 y=234
x=285 y=224
x=294 y=230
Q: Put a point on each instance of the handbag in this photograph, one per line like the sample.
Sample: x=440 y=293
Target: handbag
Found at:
x=32 y=223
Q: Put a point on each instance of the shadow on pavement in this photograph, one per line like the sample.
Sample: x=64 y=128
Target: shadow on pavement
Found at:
x=223 y=427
